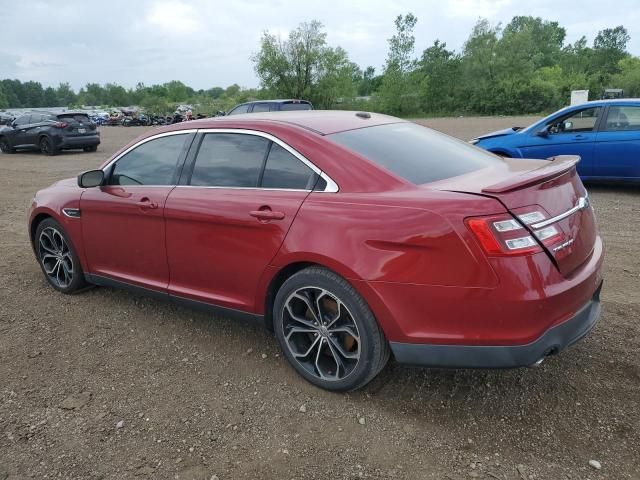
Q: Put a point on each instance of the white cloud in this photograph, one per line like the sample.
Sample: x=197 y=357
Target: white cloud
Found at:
x=208 y=43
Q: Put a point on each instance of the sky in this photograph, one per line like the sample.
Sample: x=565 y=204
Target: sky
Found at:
x=209 y=43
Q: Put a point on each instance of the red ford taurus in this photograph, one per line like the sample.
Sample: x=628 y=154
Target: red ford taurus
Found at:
x=353 y=236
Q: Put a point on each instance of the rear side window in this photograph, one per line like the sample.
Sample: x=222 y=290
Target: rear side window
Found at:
x=152 y=163
x=229 y=160
x=623 y=118
x=415 y=153
x=295 y=106
x=283 y=170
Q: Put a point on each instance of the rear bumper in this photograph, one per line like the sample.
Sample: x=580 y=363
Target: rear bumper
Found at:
x=78 y=142
x=552 y=341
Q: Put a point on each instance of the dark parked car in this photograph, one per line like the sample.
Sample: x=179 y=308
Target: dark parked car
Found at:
x=50 y=133
x=271 y=106
x=351 y=235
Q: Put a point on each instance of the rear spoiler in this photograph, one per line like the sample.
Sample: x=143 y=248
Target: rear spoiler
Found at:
x=558 y=165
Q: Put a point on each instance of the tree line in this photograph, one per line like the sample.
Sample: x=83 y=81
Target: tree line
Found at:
x=524 y=66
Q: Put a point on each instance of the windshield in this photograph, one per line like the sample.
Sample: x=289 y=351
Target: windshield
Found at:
x=415 y=153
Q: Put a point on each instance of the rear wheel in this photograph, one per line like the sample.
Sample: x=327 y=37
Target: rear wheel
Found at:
x=92 y=148
x=327 y=332
x=5 y=147
x=57 y=258
x=46 y=147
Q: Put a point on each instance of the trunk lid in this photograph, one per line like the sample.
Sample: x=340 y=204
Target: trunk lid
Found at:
x=77 y=124
x=551 y=187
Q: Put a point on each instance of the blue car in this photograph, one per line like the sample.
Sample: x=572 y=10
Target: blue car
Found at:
x=604 y=133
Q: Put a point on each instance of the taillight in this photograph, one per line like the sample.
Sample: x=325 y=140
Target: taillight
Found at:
x=505 y=234
x=61 y=125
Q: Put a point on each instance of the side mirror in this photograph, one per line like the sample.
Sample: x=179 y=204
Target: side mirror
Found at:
x=92 y=178
x=544 y=132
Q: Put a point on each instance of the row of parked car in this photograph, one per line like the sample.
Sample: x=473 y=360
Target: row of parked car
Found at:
x=604 y=133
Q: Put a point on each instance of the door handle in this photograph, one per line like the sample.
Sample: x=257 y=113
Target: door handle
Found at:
x=578 y=137
x=266 y=215
x=146 y=204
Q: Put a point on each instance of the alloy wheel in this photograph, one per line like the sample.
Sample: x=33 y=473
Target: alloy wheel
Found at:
x=321 y=334
x=55 y=257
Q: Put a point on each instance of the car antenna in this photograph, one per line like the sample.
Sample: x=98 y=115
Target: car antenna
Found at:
x=363 y=114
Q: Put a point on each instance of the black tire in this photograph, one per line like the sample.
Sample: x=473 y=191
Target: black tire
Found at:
x=5 y=147
x=46 y=243
x=47 y=147
x=92 y=148
x=353 y=315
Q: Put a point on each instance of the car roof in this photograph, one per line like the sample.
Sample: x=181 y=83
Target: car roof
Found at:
x=608 y=101
x=324 y=122
x=280 y=100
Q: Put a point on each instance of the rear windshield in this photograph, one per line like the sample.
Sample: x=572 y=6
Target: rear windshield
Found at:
x=295 y=106
x=415 y=153
x=78 y=117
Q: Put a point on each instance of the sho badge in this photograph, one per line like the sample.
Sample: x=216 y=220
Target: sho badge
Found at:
x=562 y=245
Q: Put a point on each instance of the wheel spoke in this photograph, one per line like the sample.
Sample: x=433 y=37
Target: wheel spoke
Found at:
x=311 y=347
x=298 y=319
x=345 y=354
x=336 y=358
x=309 y=305
x=345 y=329
x=296 y=330
x=47 y=242
x=52 y=270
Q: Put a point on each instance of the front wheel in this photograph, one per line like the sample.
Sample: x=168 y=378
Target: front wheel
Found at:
x=5 y=147
x=327 y=332
x=57 y=258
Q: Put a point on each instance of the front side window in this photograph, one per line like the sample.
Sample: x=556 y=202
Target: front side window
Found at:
x=152 y=163
x=284 y=170
x=623 y=118
x=229 y=160
x=415 y=153
x=581 y=121
x=23 y=120
x=260 y=107
x=239 y=109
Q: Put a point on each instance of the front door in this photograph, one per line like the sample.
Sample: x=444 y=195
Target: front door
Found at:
x=228 y=221
x=570 y=134
x=617 y=150
x=123 y=221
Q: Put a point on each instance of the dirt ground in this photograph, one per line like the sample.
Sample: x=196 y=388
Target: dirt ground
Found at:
x=110 y=385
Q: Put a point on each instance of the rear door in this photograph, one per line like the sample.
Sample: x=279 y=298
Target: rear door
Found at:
x=123 y=221
x=227 y=222
x=617 y=148
x=570 y=134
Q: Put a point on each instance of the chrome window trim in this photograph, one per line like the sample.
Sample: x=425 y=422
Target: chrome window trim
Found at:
x=583 y=202
x=332 y=187
x=143 y=141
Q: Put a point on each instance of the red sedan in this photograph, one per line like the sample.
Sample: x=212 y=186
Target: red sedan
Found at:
x=353 y=236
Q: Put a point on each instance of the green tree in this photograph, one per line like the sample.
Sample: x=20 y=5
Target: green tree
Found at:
x=398 y=92
x=65 y=95
x=304 y=66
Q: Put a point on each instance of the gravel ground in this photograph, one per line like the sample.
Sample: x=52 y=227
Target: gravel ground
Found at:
x=110 y=385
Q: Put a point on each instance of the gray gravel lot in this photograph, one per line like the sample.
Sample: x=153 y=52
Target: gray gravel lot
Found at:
x=110 y=385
